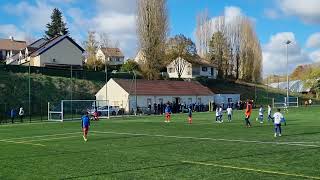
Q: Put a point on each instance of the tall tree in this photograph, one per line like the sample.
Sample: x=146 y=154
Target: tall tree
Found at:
x=179 y=50
x=203 y=33
x=104 y=40
x=56 y=27
x=250 y=53
x=152 y=29
x=219 y=53
x=91 y=49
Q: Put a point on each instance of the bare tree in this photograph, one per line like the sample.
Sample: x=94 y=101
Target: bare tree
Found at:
x=104 y=39
x=152 y=30
x=203 y=33
x=180 y=50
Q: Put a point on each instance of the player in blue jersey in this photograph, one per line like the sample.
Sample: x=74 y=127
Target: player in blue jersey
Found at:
x=190 y=114
x=85 y=124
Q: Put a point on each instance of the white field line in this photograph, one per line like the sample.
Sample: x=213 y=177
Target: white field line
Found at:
x=49 y=139
x=40 y=136
x=17 y=142
x=252 y=170
x=211 y=139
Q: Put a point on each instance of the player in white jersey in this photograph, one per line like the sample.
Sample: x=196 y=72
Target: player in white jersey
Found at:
x=229 y=112
x=278 y=117
x=261 y=111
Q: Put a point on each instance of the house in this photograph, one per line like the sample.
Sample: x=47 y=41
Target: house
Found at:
x=10 y=47
x=188 y=69
x=128 y=94
x=140 y=57
x=61 y=51
x=113 y=56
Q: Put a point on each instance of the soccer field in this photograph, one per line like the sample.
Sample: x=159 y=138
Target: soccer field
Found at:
x=148 y=148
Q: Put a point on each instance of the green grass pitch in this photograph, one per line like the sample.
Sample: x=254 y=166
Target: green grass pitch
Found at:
x=148 y=148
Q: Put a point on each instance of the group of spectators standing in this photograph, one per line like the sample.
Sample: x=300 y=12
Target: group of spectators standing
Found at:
x=175 y=108
x=15 y=113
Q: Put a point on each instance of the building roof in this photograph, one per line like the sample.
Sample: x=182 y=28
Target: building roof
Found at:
x=164 y=88
x=38 y=43
x=199 y=61
x=202 y=62
x=52 y=42
x=112 y=52
x=8 y=44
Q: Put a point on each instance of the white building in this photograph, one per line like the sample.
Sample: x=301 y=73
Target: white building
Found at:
x=225 y=99
x=191 y=69
x=122 y=93
x=113 y=56
x=61 y=51
x=140 y=57
x=10 y=47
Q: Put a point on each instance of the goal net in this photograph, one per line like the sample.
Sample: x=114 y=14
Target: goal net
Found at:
x=283 y=102
x=67 y=110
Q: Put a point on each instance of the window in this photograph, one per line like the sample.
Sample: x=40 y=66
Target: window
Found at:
x=189 y=100
x=160 y=100
x=199 y=100
x=204 y=69
x=171 y=70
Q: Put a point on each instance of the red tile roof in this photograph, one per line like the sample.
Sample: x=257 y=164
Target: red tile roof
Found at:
x=112 y=52
x=8 y=44
x=164 y=88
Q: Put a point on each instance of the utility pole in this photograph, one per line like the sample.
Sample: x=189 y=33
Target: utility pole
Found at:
x=287 y=43
x=71 y=91
x=106 y=71
x=29 y=87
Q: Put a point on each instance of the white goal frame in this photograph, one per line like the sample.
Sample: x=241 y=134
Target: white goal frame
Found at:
x=292 y=102
x=62 y=113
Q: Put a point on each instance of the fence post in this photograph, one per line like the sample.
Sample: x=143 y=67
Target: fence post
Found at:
x=273 y=102
x=48 y=110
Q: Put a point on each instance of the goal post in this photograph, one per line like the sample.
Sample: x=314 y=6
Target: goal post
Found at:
x=67 y=110
x=283 y=102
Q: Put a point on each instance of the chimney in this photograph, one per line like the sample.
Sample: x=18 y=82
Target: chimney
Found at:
x=11 y=38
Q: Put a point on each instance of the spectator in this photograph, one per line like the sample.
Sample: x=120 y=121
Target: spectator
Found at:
x=155 y=108
x=21 y=113
x=12 y=115
x=310 y=102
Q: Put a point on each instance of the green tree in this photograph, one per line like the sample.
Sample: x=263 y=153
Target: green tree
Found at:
x=91 y=49
x=130 y=66
x=219 y=53
x=56 y=27
x=180 y=49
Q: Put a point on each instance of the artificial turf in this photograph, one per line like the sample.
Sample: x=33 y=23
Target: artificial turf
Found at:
x=148 y=148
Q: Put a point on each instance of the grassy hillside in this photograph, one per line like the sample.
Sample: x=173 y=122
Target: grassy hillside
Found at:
x=258 y=92
x=44 y=89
